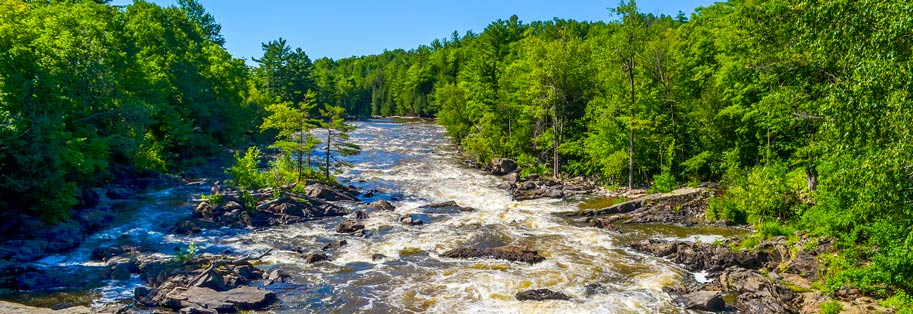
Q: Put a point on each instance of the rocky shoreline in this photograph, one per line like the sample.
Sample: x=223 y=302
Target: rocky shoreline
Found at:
x=774 y=276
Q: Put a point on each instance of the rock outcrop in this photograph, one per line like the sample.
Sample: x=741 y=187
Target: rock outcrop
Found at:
x=540 y=295
x=508 y=252
x=204 y=283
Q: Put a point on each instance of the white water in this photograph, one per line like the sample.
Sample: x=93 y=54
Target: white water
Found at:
x=413 y=164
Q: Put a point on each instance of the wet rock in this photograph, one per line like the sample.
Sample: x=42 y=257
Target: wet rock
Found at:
x=333 y=245
x=508 y=252
x=93 y=219
x=411 y=220
x=106 y=253
x=238 y=299
x=23 y=250
x=9 y=307
x=120 y=271
x=361 y=215
x=512 y=178
x=197 y=310
x=277 y=276
x=711 y=301
x=502 y=166
x=381 y=205
x=449 y=207
x=594 y=289
x=350 y=226
x=701 y=256
x=541 y=295
x=377 y=257
x=324 y=192
x=211 y=280
x=62 y=237
x=314 y=257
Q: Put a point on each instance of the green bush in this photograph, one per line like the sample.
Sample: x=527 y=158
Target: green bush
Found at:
x=831 y=307
x=663 y=183
x=767 y=193
x=245 y=172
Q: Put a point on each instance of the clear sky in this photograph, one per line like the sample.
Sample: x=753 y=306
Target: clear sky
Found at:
x=344 y=28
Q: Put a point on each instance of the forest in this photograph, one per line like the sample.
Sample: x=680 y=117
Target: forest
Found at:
x=800 y=110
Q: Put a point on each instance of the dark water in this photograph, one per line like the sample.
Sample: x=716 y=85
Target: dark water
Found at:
x=412 y=164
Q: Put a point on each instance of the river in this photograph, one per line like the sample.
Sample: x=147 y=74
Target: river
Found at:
x=412 y=163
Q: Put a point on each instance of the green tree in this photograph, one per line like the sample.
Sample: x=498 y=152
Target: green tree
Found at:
x=337 y=137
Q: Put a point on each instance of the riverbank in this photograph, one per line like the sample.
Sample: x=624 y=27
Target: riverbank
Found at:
x=428 y=234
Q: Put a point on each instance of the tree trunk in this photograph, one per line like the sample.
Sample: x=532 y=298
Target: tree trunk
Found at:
x=300 y=149
x=329 y=142
x=631 y=127
x=811 y=178
x=556 y=162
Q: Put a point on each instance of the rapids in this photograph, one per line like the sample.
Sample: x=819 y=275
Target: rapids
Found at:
x=412 y=163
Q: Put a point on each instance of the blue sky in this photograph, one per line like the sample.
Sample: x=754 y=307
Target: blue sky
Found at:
x=344 y=28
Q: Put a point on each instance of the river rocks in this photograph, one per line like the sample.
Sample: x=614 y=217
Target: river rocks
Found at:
x=314 y=257
x=448 y=207
x=540 y=295
x=350 y=226
x=209 y=282
x=702 y=256
x=276 y=276
x=711 y=301
x=361 y=215
x=120 y=272
x=333 y=245
x=502 y=166
x=105 y=253
x=508 y=252
x=532 y=187
x=683 y=207
x=231 y=212
x=381 y=205
x=326 y=193
x=231 y=301
x=13 y=308
x=757 y=293
x=411 y=220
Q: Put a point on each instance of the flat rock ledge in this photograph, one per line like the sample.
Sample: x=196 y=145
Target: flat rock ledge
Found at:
x=508 y=252
x=540 y=295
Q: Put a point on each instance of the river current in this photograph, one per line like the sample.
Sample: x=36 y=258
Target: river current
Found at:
x=397 y=268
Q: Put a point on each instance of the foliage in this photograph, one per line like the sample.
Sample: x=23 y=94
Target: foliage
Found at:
x=245 y=172
x=831 y=307
x=183 y=255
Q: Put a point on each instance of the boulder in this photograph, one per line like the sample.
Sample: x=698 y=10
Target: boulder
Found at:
x=324 y=192
x=411 y=220
x=64 y=236
x=350 y=226
x=314 y=257
x=331 y=246
x=13 y=308
x=93 y=219
x=23 y=250
x=277 y=276
x=541 y=295
x=105 y=253
x=120 y=271
x=238 y=299
x=710 y=301
x=381 y=205
x=449 y=207
x=756 y=292
x=502 y=166
x=508 y=252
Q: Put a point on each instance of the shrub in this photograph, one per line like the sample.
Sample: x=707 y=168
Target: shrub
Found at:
x=662 y=183
x=245 y=172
